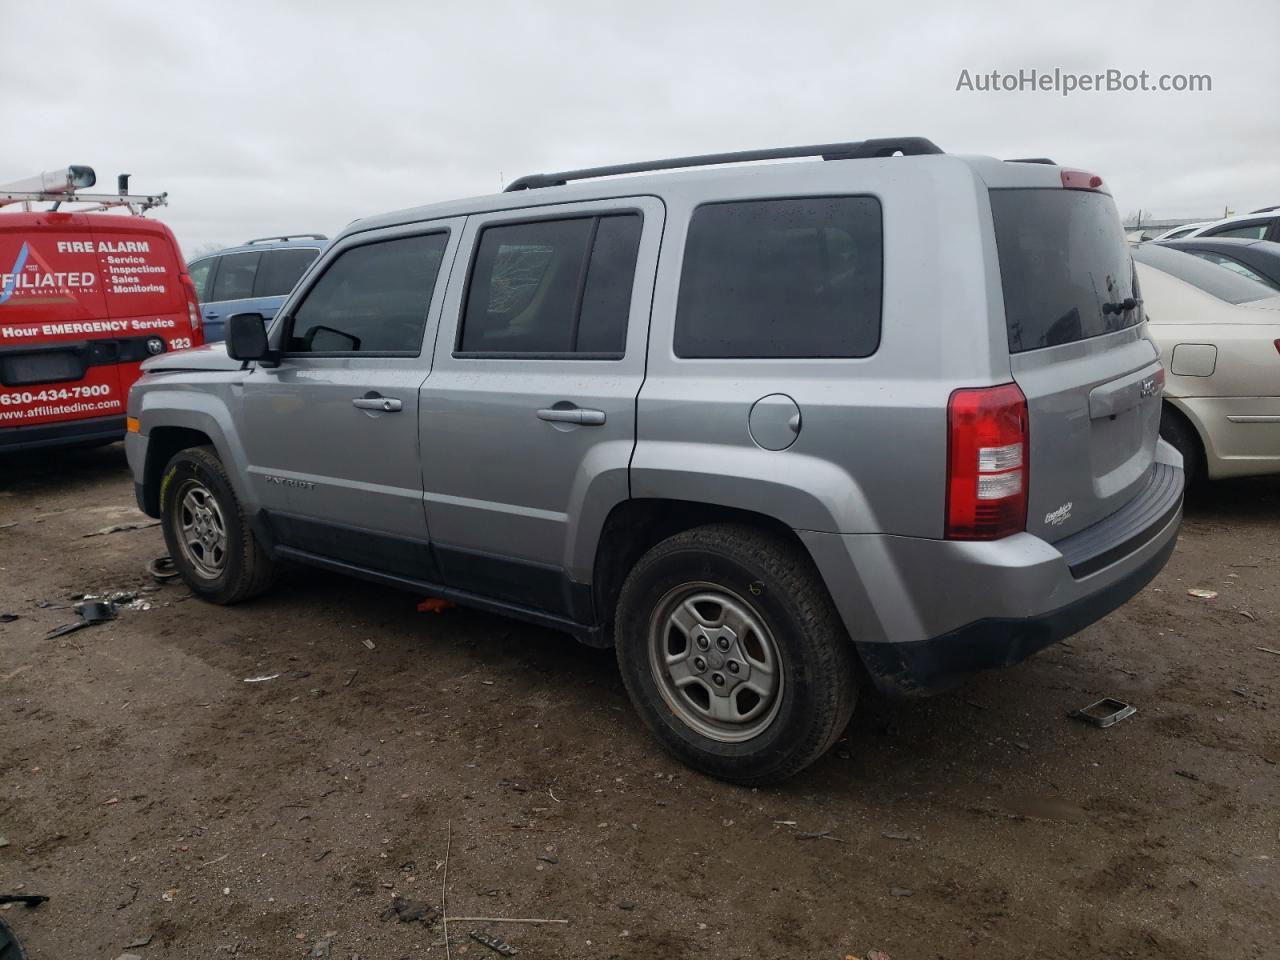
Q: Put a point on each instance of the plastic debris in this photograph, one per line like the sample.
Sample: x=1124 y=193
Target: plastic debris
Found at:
x=8 y=617
x=91 y=612
x=1202 y=593
x=262 y=679
x=162 y=569
x=1105 y=712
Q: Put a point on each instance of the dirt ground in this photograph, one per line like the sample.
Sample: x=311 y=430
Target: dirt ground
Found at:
x=151 y=792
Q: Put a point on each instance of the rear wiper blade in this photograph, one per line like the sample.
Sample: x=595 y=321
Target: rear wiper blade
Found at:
x=1120 y=306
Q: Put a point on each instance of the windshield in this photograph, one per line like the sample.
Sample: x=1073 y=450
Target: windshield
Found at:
x=1064 y=265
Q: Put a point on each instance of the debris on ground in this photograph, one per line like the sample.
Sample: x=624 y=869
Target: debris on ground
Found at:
x=626 y=904
x=141 y=941
x=368 y=643
x=351 y=677
x=1105 y=712
x=8 y=617
x=496 y=944
x=435 y=605
x=122 y=528
x=26 y=899
x=407 y=911
x=891 y=835
x=1202 y=594
x=91 y=613
x=320 y=950
x=1188 y=774
x=262 y=679
x=162 y=569
x=900 y=892
x=1269 y=650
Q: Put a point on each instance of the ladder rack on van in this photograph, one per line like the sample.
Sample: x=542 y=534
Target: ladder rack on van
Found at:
x=61 y=186
x=859 y=150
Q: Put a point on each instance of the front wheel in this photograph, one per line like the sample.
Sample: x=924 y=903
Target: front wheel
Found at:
x=207 y=534
x=733 y=653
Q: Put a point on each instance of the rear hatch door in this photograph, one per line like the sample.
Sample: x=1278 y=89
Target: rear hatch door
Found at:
x=56 y=350
x=1079 y=353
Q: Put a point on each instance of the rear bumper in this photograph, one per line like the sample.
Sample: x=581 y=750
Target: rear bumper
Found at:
x=66 y=433
x=924 y=613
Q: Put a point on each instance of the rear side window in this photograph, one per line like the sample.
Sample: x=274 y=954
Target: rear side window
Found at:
x=1064 y=265
x=234 y=280
x=552 y=288
x=1235 y=266
x=372 y=298
x=279 y=270
x=1255 y=230
x=1226 y=285
x=796 y=277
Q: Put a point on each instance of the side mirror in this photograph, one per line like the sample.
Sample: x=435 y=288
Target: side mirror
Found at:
x=247 y=337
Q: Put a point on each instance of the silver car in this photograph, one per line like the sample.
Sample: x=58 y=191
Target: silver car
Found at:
x=772 y=431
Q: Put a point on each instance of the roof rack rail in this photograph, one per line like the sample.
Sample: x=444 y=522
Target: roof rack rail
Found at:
x=61 y=186
x=858 y=150
x=1032 y=160
x=287 y=236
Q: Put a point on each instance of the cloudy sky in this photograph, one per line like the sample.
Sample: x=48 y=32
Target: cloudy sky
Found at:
x=267 y=117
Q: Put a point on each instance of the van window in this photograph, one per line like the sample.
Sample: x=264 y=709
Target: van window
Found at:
x=279 y=270
x=1064 y=266
x=235 y=277
x=552 y=288
x=199 y=273
x=372 y=298
x=795 y=277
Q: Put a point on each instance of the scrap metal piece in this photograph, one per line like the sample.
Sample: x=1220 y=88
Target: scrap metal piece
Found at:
x=1105 y=712
x=496 y=944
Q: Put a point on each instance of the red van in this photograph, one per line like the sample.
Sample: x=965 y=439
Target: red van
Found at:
x=84 y=299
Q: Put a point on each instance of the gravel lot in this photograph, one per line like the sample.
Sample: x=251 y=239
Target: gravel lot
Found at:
x=150 y=791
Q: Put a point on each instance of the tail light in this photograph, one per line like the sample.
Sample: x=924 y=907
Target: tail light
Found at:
x=1081 y=180
x=193 y=302
x=1278 y=346
x=987 y=463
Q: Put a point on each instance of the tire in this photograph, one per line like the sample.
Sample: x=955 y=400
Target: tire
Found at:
x=218 y=556
x=762 y=727
x=1177 y=430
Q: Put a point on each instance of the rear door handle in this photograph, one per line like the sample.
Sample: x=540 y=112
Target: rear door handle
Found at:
x=385 y=404
x=588 y=418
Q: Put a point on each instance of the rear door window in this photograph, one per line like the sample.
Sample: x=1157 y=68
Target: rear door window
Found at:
x=236 y=273
x=1253 y=230
x=371 y=299
x=1064 y=266
x=794 y=277
x=279 y=270
x=552 y=288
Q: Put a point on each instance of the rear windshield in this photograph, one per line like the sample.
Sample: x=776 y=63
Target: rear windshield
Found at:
x=1064 y=265
x=1213 y=279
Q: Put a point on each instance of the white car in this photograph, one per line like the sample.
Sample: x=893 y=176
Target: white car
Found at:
x=1219 y=339
x=1260 y=225
x=1186 y=230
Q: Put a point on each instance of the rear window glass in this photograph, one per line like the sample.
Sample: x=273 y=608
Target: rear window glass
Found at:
x=1212 y=279
x=794 y=277
x=279 y=270
x=1064 y=265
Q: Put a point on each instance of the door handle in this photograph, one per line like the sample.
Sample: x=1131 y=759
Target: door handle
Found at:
x=588 y=418
x=385 y=404
x=212 y=315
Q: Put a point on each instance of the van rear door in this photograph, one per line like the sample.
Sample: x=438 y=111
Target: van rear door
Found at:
x=54 y=340
x=1079 y=353
x=142 y=278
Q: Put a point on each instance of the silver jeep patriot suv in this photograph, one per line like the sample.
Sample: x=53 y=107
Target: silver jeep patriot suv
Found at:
x=770 y=430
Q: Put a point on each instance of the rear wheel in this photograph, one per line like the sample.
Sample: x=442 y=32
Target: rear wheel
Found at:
x=733 y=653
x=207 y=534
x=1177 y=430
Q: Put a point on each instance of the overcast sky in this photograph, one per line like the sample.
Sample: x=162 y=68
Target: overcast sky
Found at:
x=271 y=117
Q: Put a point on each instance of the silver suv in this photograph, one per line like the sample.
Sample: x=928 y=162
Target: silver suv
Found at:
x=767 y=429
